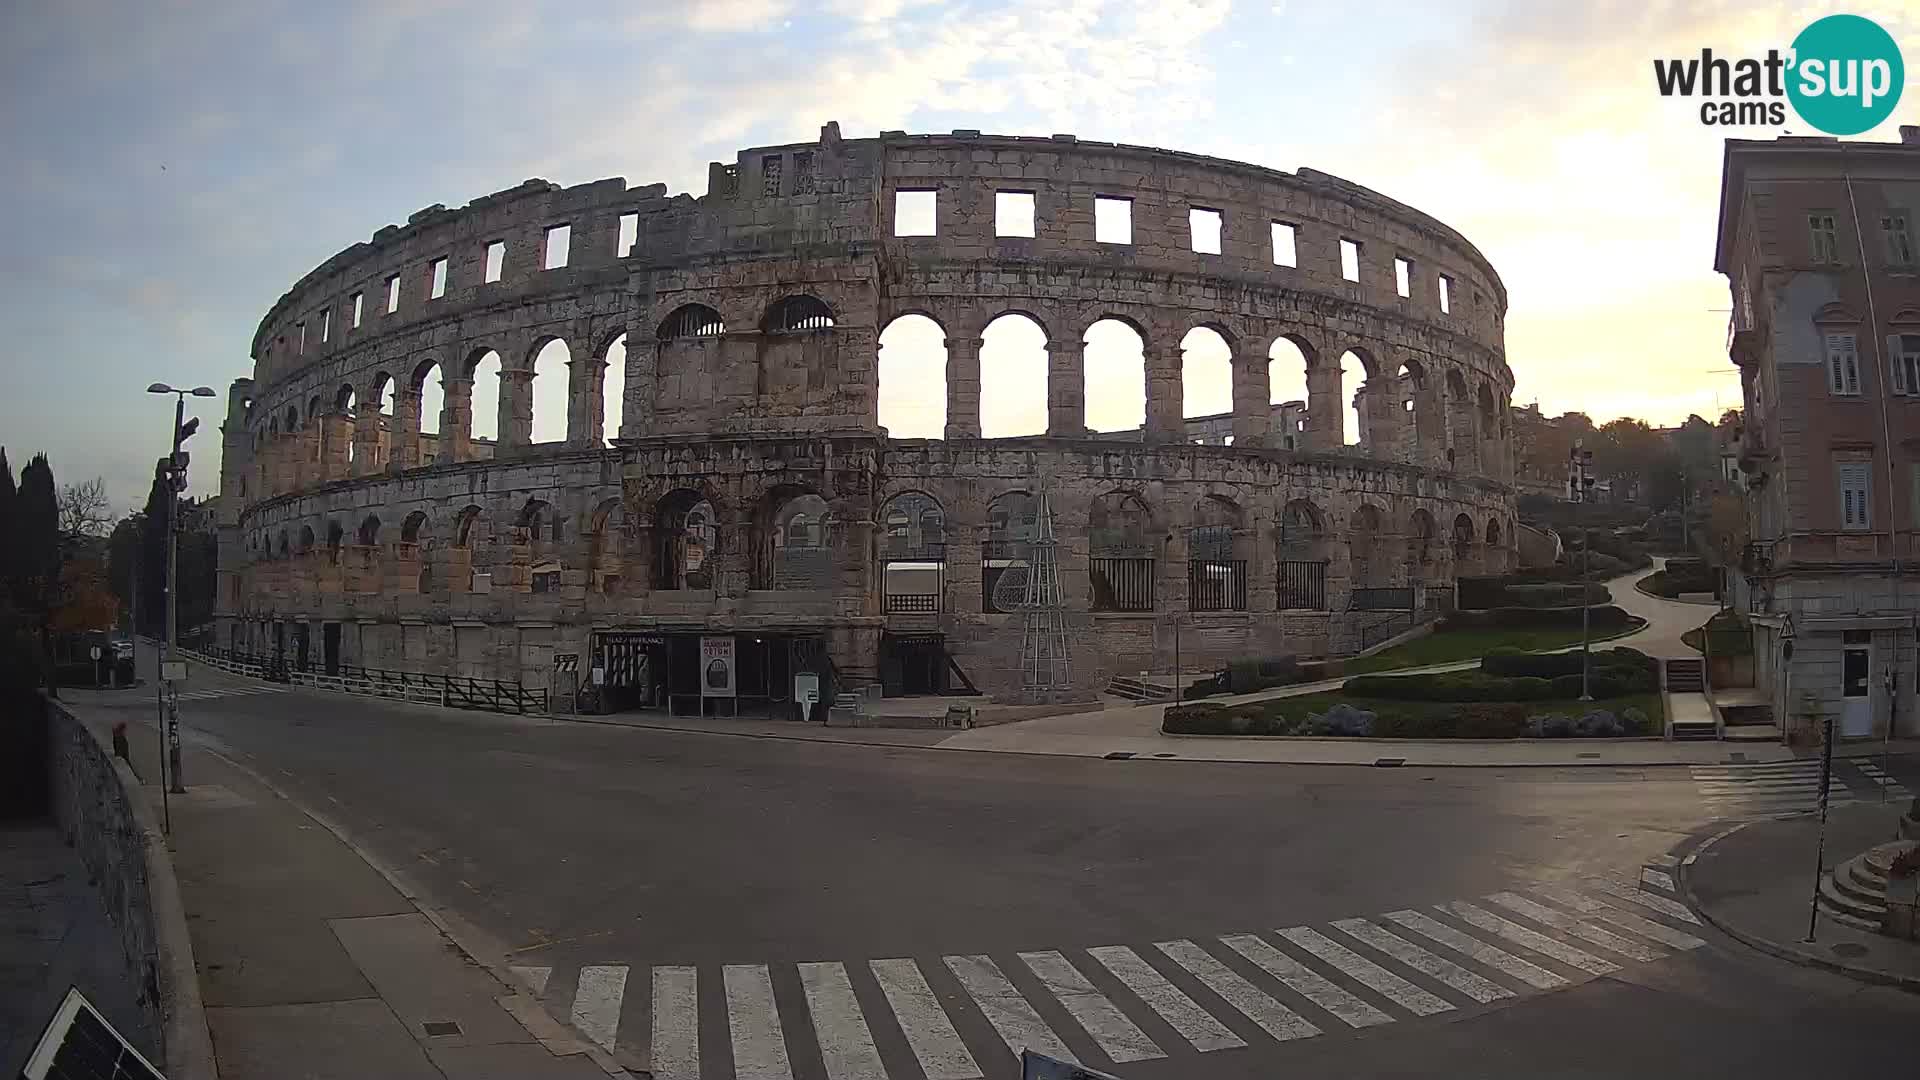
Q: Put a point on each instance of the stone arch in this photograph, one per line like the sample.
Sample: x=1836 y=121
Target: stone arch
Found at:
x=1305 y=551
x=335 y=535
x=306 y=540
x=541 y=521
x=428 y=383
x=413 y=528
x=796 y=535
x=606 y=546
x=1206 y=371
x=369 y=534
x=1493 y=532
x=1013 y=375
x=549 y=397
x=613 y=386
x=691 y=321
x=687 y=537
x=1421 y=532
x=912 y=398
x=797 y=313
x=1012 y=518
x=483 y=370
x=1463 y=445
x=1114 y=375
x=1290 y=360
x=464 y=526
x=537 y=531
x=913 y=553
x=281 y=551
x=1216 y=555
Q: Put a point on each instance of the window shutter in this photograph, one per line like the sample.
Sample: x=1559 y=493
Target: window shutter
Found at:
x=1898 y=362
x=1835 y=383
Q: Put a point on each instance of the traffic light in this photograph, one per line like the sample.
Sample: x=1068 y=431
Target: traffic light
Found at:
x=186 y=431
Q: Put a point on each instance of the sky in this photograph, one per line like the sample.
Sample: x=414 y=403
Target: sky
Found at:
x=172 y=167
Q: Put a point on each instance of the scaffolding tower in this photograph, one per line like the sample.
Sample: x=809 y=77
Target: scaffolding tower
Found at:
x=1044 y=663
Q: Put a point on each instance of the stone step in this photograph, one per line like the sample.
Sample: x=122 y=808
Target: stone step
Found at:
x=1752 y=733
x=1835 y=900
x=1880 y=857
x=1851 y=877
x=1871 y=926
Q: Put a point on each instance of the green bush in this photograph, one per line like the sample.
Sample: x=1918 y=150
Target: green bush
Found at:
x=1604 y=619
x=1449 y=686
x=1203 y=719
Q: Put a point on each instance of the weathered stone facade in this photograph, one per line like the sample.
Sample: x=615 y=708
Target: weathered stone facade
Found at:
x=751 y=489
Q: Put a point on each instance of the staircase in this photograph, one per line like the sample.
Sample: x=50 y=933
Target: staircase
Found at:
x=1686 y=676
x=1690 y=677
x=1139 y=688
x=1855 y=892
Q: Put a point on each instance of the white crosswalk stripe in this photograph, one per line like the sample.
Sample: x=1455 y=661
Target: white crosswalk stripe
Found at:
x=1274 y=1018
x=759 y=1045
x=230 y=691
x=1659 y=879
x=1194 y=1024
x=1579 y=928
x=1879 y=778
x=676 y=1023
x=1419 y=959
x=1305 y=981
x=929 y=1033
x=1392 y=962
x=1118 y=1036
x=1366 y=972
x=1020 y=1027
x=1759 y=790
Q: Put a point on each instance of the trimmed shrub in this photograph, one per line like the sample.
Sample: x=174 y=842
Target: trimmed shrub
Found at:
x=1203 y=719
x=1449 y=686
x=1604 y=619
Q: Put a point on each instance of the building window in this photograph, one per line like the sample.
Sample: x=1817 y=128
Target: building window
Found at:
x=803 y=173
x=393 y=294
x=1899 y=241
x=1843 y=365
x=496 y=261
x=1903 y=351
x=770 y=176
x=559 y=240
x=1285 y=253
x=438 y=285
x=1402 y=276
x=1446 y=294
x=1856 y=489
x=1350 y=259
x=628 y=236
x=1826 y=241
x=326 y=325
x=1205 y=227
x=302 y=328
x=1112 y=220
x=1013 y=213
x=915 y=213
x=359 y=300
x=1913 y=495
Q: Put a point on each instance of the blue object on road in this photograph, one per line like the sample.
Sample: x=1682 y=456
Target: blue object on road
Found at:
x=1041 y=1067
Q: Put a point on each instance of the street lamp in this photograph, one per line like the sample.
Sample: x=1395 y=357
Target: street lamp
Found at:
x=176 y=478
x=1580 y=488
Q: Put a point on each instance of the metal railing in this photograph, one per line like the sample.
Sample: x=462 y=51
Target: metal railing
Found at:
x=1386 y=628
x=913 y=604
x=1217 y=585
x=1303 y=586
x=451 y=691
x=1122 y=583
x=1388 y=598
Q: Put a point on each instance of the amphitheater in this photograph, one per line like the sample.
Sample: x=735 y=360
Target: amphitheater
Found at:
x=749 y=503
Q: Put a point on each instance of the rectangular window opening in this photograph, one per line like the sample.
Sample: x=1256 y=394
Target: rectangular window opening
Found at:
x=1843 y=365
x=359 y=301
x=496 y=261
x=1350 y=259
x=1285 y=253
x=1446 y=294
x=1899 y=240
x=1013 y=213
x=803 y=173
x=1904 y=351
x=393 y=294
x=770 y=175
x=326 y=326
x=1402 y=276
x=914 y=213
x=1825 y=238
x=559 y=240
x=438 y=286
x=302 y=328
x=1856 y=480
x=1112 y=220
x=1205 y=226
x=629 y=235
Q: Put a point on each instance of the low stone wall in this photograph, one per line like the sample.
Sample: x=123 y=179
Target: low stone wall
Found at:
x=95 y=800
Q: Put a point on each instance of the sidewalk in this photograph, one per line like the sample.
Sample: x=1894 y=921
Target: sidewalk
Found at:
x=312 y=964
x=1755 y=883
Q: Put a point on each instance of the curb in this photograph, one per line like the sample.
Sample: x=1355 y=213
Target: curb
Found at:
x=1780 y=949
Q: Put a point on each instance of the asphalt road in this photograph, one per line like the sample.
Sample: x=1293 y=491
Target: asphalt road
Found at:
x=574 y=848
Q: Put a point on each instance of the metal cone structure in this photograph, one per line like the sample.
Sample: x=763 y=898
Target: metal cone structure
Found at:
x=1044 y=664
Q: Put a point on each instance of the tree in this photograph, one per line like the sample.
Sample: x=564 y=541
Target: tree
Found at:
x=36 y=551
x=84 y=509
x=8 y=497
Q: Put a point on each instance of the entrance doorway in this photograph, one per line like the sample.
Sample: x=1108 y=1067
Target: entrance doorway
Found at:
x=1856 y=685
x=330 y=647
x=300 y=636
x=913 y=664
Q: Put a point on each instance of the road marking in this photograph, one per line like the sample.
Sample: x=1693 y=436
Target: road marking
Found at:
x=846 y=1044
x=1193 y=1023
x=1274 y=1018
x=535 y=978
x=1881 y=779
x=1664 y=860
x=1011 y=1015
x=596 y=1003
x=676 y=1023
x=1647 y=928
x=1419 y=959
x=1367 y=973
x=1645 y=899
x=1657 y=878
x=759 y=1046
x=1119 y=1038
x=1305 y=981
x=1540 y=943
x=1579 y=928
x=935 y=1044
x=1467 y=945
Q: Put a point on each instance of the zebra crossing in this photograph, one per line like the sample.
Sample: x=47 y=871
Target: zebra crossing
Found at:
x=968 y=1017
x=1879 y=778
x=229 y=691
x=1785 y=787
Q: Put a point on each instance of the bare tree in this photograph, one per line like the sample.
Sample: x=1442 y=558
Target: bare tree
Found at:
x=85 y=509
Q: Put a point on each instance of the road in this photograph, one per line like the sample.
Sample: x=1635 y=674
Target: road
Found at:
x=680 y=893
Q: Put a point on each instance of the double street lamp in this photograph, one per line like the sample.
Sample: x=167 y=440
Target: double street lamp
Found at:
x=176 y=479
x=1580 y=490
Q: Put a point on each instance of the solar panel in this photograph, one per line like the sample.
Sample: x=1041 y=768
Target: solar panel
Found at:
x=79 y=1044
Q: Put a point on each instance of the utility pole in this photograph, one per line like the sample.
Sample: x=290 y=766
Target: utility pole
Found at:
x=175 y=476
x=1580 y=489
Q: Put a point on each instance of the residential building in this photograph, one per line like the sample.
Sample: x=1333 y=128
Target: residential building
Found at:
x=1816 y=238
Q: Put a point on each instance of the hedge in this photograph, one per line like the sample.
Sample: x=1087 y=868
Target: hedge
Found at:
x=1603 y=618
x=1474 y=720
x=1450 y=686
x=1510 y=661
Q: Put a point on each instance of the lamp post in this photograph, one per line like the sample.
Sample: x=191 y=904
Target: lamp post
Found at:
x=176 y=477
x=1580 y=489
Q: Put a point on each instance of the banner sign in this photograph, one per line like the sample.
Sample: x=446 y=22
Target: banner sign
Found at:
x=716 y=666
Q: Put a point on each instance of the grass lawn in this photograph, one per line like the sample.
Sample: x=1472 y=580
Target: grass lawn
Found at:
x=1295 y=708
x=1446 y=646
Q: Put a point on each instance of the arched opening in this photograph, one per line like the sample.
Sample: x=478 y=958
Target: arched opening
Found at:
x=1462 y=545
x=1011 y=520
x=1216 y=568
x=797 y=314
x=613 y=390
x=1420 y=537
x=1463 y=452
x=913 y=378
x=798 y=536
x=551 y=366
x=1013 y=377
x=335 y=536
x=1304 y=552
x=1115 y=361
x=283 y=552
x=1349 y=375
x=1363 y=538
x=306 y=541
x=687 y=533
x=536 y=539
x=1287 y=362
x=380 y=399
x=1123 y=553
x=691 y=321
x=1206 y=374
x=429 y=383
x=410 y=528
x=1495 y=555
x=412 y=549
x=913 y=554
x=345 y=406
x=370 y=531
x=483 y=416
x=606 y=552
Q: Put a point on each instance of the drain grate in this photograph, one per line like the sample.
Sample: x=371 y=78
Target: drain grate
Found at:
x=1736 y=756
x=1389 y=762
x=1588 y=754
x=440 y=1028
x=1118 y=755
x=1163 y=755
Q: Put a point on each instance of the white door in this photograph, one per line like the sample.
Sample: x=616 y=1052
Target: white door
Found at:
x=1856 y=693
